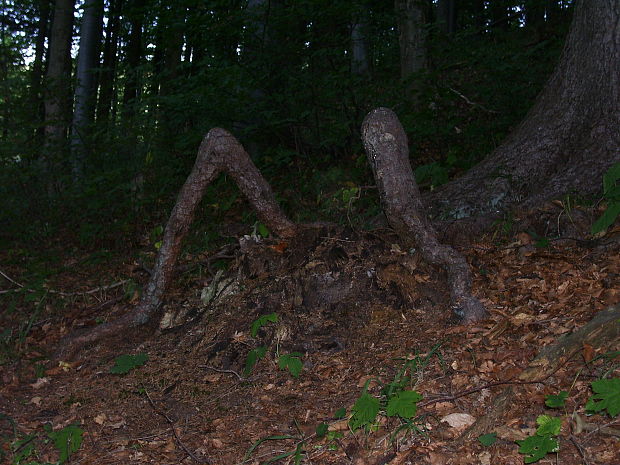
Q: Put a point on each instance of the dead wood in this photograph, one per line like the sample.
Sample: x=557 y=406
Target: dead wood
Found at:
x=603 y=332
x=219 y=152
x=387 y=150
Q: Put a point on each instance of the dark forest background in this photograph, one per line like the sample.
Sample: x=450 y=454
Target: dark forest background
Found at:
x=103 y=104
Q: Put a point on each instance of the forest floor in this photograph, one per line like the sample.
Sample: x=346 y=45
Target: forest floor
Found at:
x=360 y=313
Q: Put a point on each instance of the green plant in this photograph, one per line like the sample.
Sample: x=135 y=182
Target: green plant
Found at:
x=606 y=397
x=125 y=363
x=611 y=193
x=67 y=440
x=291 y=362
x=537 y=446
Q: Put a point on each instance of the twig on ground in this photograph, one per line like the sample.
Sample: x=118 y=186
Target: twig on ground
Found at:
x=61 y=293
x=579 y=448
x=219 y=370
x=174 y=431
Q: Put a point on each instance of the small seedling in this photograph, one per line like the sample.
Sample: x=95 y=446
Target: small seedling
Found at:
x=125 y=363
x=262 y=321
x=253 y=356
x=611 y=193
x=488 y=439
x=67 y=440
x=292 y=363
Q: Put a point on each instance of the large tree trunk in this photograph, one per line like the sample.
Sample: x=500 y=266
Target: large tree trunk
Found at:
x=568 y=139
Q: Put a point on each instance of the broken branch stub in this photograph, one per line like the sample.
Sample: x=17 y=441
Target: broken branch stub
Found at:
x=219 y=152
x=387 y=150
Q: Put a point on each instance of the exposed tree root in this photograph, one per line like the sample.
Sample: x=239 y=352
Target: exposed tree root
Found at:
x=386 y=146
x=219 y=152
x=603 y=331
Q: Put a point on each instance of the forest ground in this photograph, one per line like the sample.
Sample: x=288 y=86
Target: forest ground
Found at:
x=187 y=404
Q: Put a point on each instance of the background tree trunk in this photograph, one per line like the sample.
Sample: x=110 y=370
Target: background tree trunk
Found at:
x=37 y=65
x=87 y=61
x=107 y=72
x=57 y=93
x=568 y=139
x=411 y=19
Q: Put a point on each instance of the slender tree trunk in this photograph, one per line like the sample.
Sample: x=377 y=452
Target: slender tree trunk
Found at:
x=411 y=18
x=108 y=71
x=359 y=47
x=87 y=62
x=57 y=84
x=133 y=53
x=446 y=16
x=568 y=139
x=37 y=65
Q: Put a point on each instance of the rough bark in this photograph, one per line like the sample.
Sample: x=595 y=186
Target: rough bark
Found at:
x=388 y=154
x=568 y=139
x=219 y=152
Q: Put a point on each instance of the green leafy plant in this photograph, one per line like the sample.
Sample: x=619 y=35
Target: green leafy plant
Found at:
x=292 y=363
x=488 y=439
x=262 y=321
x=556 y=400
x=606 y=397
x=125 y=363
x=611 y=193
x=253 y=357
x=67 y=440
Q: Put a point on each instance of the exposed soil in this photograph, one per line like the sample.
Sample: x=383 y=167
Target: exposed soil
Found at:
x=357 y=307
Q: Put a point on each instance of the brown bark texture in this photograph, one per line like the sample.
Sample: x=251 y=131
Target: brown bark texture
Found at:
x=388 y=154
x=219 y=152
x=568 y=139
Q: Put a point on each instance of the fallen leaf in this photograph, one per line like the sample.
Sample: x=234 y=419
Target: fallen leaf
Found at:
x=39 y=383
x=100 y=419
x=588 y=352
x=459 y=420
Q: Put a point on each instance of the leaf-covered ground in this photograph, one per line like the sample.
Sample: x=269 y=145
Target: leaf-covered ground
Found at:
x=359 y=311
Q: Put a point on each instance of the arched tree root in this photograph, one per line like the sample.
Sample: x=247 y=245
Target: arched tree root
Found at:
x=219 y=152
x=387 y=150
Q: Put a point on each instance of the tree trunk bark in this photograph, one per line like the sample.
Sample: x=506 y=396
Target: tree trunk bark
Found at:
x=107 y=74
x=57 y=79
x=87 y=61
x=411 y=19
x=219 y=152
x=37 y=65
x=568 y=139
x=388 y=154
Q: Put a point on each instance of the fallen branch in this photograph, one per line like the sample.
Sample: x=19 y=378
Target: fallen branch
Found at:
x=219 y=152
x=387 y=150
